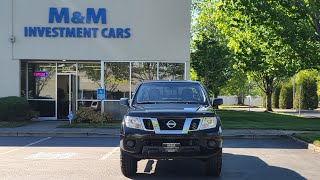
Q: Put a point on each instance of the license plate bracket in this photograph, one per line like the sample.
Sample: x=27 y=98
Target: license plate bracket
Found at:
x=171 y=147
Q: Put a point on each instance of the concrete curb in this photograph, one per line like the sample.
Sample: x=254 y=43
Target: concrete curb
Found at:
x=104 y=135
x=306 y=144
x=88 y=134
x=56 y=134
x=253 y=136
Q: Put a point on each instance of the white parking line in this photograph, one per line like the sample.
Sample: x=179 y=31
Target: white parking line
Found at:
x=26 y=146
x=46 y=155
x=109 y=153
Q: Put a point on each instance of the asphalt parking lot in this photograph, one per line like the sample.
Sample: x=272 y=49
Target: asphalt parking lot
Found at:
x=98 y=158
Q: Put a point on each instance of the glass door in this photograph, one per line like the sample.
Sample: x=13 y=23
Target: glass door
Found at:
x=73 y=93
x=66 y=95
x=63 y=96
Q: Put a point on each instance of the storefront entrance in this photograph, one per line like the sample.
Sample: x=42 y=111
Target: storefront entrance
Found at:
x=54 y=89
x=66 y=95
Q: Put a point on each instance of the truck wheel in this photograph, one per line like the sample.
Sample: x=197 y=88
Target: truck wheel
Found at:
x=214 y=165
x=128 y=165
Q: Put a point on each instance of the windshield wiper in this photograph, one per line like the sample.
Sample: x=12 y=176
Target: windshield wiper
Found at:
x=183 y=102
x=147 y=102
x=169 y=102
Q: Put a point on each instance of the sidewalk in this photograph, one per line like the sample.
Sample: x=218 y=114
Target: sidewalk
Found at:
x=49 y=129
x=304 y=113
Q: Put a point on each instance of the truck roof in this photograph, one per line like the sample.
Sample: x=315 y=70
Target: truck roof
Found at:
x=166 y=81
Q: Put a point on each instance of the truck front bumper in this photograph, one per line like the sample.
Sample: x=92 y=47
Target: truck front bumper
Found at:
x=150 y=146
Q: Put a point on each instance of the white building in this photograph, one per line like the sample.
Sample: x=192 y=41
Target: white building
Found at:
x=57 y=53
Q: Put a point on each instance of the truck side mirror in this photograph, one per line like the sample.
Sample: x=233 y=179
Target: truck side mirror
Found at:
x=124 y=101
x=217 y=101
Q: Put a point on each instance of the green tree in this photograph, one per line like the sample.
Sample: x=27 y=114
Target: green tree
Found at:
x=237 y=85
x=270 y=39
x=193 y=75
x=211 y=61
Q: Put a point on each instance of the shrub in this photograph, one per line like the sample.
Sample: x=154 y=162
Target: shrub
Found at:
x=89 y=115
x=275 y=97
x=286 y=96
x=109 y=117
x=307 y=80
x=309 y=97
x=15 y=109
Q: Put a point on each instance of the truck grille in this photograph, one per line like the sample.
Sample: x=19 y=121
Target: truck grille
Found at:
x=163 y=124
x=183 y=142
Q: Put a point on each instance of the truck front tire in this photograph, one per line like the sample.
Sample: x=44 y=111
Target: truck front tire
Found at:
x=128 y=165
x=214 y=165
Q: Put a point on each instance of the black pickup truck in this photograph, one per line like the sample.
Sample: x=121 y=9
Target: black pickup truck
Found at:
x=171 y=120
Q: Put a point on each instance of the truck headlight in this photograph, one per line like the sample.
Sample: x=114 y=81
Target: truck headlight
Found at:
x=208 y=123
x=133 y=122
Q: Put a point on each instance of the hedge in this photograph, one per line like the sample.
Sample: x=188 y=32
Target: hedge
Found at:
x=275 y=97
x=309 y=97
x=15 y=109
x=286 y=96
x=89 y=115
x=307 y=80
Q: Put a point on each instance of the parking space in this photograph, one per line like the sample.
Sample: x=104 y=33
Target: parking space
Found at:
x=99 y=158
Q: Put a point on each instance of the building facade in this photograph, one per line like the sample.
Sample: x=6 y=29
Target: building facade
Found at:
x=58 y=53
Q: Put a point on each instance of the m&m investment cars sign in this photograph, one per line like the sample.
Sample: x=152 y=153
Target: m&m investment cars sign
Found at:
x=91 y=17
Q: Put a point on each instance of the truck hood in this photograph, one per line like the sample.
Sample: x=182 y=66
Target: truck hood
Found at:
x=170 y=110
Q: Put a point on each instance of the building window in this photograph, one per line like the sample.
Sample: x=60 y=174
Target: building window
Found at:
x=42 y=81
x=117 y=80
x=89 y=81
x=67 y=68
x=141 y=71
x=171 y=71
x=89 y=77
x=42 y=88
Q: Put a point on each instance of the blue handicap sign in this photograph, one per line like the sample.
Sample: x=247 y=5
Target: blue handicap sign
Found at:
x=101 y=94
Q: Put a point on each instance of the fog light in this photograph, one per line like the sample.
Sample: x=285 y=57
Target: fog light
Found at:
x=211 y=143
x=130 y=143
x=194 y=126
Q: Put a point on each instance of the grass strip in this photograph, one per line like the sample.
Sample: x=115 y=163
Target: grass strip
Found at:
x=313 y=138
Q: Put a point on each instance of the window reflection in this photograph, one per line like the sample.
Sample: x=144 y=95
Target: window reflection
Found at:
x=45 y=108
x=42 y=81
x=89 y=80
x=67 y=68
x=115 y=108
x=142 y=71
x=174 y=71
x=117 y=80
x=95 y=105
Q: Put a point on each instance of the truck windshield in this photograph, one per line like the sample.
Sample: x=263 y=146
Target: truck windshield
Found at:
x=170 y=92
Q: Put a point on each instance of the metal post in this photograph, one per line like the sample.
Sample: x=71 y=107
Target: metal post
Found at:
x=249 y=102
x=102 y=84
x=249 y=95
x=294 y=87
